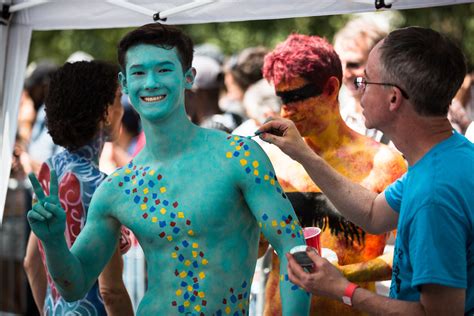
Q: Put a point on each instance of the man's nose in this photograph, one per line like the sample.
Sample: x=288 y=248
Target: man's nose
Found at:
x=151 y=82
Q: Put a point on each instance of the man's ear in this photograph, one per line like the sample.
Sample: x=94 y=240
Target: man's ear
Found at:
x=189 y=77
x=123 y=82
x=395 y=98
x=331 y=88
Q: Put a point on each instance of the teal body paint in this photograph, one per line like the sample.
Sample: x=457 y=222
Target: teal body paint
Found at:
x=196 y=199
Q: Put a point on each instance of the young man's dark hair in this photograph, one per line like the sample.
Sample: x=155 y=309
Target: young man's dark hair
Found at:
x=159 y=35
x=88 y=91
x=427 y=64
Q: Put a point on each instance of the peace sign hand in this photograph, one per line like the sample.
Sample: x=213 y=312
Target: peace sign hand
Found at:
x=47 y=219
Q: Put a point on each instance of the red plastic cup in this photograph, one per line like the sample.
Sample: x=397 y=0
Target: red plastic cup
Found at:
x=312 y=235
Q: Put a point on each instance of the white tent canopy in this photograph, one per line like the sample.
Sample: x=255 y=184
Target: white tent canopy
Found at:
x=20 y=17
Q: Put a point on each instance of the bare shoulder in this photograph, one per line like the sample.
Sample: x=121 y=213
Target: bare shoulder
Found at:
x=389 y=165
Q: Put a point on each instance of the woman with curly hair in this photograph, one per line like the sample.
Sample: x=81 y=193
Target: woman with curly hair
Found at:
x=83 y=110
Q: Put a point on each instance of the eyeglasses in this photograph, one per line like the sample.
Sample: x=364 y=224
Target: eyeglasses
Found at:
x=300 y=94
x=360 y=83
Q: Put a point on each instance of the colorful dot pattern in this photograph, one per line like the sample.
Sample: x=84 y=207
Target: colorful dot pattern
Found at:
x=241 y=150
x=235 y=302
x=285 y=278
x=285 y=226
x=148 y=194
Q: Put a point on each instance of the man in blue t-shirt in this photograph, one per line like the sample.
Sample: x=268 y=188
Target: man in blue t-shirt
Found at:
x=409 y=81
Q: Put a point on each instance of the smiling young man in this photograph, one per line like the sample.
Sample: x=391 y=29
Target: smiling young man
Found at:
x=196 y=199
x=307 y=73
x=410 y=79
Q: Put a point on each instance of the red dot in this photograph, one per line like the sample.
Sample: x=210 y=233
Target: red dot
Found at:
x=159 y=177
x=204 y=303
x=145 y=199
x=176 y=272
x=188 y=222
x=120 y=184
x=173 y=303
x=162 y=234
x=157 y=202
x=172 y=224
x=175 y=204
x=195 y=280
x=224 y=301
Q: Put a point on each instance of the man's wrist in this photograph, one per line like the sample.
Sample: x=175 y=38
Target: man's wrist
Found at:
x=347 y=297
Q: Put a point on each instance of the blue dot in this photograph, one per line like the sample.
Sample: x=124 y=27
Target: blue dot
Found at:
x=286 y=277
x=233 y=299
x=181 y=308
x=271 y=174
x=196 y=286
x=195 y=264
x=236 y=154
x=278 y=190
x=193 y=298
x=245 y=295
x=190 y=273
x=126 y=178
x=136 y=199
x=185 y=243
x=152 y=209
x=141 y=182
x=219 y=313
x=165 y=203
x=162 y=224
x=288 y=231
x=176 y=230
x=183 y=284
x=127 y=191
x=155 y=195
x=246 y=147
x=258 y=180
x=181 y=258
x=147 y=168
x=186 y=295
x=265 y=217
x=244 y=285
x=294 y=287
x=151 y=184
x=248 y=170
x=173 y=215
x=236 y=314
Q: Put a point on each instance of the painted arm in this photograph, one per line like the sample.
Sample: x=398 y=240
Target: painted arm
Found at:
x=35 y=272
x=73 y=271
x=377 y=269
x=363 y=207
x=276 y=218
x=112 y=289
x=326 y=280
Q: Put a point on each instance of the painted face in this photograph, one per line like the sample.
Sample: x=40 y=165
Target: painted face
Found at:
x=114 y=116
x=154 y=81
x=353 y=57
x=303 y=103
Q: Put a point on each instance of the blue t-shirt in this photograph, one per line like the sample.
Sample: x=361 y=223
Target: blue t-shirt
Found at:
x=435 y=238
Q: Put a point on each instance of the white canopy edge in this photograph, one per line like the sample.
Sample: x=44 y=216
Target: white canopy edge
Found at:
x=89 y=14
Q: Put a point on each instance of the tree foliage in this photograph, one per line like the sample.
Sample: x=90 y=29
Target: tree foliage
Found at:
x=457 y=21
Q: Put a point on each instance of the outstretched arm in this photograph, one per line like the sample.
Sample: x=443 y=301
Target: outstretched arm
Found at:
x=73 y=271
x=276 y=218
x=367 y=209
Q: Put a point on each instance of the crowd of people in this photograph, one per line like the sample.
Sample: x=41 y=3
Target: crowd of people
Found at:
x=367 y=138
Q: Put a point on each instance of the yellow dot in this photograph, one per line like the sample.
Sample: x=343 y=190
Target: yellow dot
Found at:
x=202 y=275
x=190 y=288
x=154 y=219
x=180 y=215
x=243 y=162
x=163 y=211
x=228 y=154
x=127 y=171
x=143 y=207
x=255 y=172
x=116 y=174
x=272 y=181
x=282 y=224
x=237 y=147
x=152 y=172
x=255 y=164
x=274 y=223
x=240 y=306
x=186 y=303
x=187 y=263
x=292 y=227
x=281 y=277
x=174 y=255
x=205 y=262
x=190 y=233
x=198 y=308
x=201 y=294
x=195 y=245
x=134 y=182
x=266 y=177
x=145 y=191
x=236 y=138
x=170 y=238
x=260 y=224
x=183 y=274
x=247 y=153
x=232 y=143
x=162 y=189
x=179 y=292
x=227 y=310
x=194 y=254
